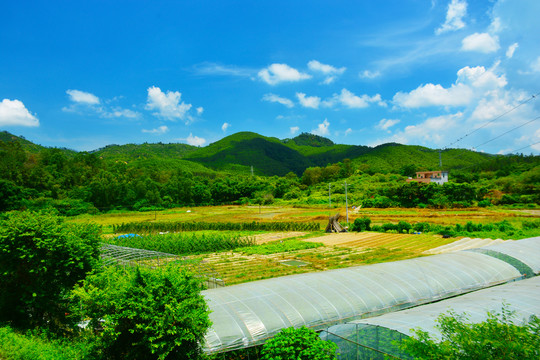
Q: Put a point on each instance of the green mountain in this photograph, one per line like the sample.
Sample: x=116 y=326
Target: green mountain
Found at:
x=271 y=156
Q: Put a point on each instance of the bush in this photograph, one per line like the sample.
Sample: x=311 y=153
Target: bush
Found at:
x=144 y=313
x=403 y=227
x=298 y=344
x=41 y=259
x=361 y=224
x=422 y=227
x=389 y=226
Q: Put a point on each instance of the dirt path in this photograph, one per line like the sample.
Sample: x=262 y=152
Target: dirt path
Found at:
x=264 y=238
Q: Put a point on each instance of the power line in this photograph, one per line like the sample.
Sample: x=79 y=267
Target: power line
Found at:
x=489 y=122
x=517 y=127
x=514 y=151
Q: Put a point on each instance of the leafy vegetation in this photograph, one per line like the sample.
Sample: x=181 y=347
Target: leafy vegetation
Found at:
x=144 y=313
x=279 y=246
x=498 y=337
x=41 y=259
x=298 y=344
x=154 y=227
x=185 y=243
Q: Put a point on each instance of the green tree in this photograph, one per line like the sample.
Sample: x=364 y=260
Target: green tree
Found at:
x=498 y=337
x=298 y=344
x=145 y=313
x=41 y=259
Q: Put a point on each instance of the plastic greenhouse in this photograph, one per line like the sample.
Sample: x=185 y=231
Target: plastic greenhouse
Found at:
x=247 y=314
x=373 y=338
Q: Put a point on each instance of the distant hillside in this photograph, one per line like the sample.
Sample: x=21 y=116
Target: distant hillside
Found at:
x=270 y=156
x=267 y=155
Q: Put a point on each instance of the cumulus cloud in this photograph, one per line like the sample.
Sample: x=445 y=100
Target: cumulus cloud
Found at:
x=352 y=101
x=294 y=129
x=278 y=99
x=330 y=71
x=308 y=101
x=480 y=42
x=14 y=113
x=278 y=73
x=368 y=74
x=457 y=9
x=200 y=110
x=322 y=129
x=225 y=126
x=167 y=105
x=160 y=130
x=471 y=83
x=82 y=97
x=386 y=124
x=511 y=50
x=195 y=140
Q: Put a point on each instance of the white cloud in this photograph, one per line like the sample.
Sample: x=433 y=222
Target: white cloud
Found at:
x=294 y=129
x=308 y=101
x=168 y=105
x=209 y=68
x=278 y=99
x=330 y=71
x=535 y=66
x=367 y=74
x=277 y=73
x=457 y=9
x=348 y=131
x=322 y=129
x=14 y=113
x=386 y=124
x=200 y=110
x=118 y=112
x=511 y=50
x=471 y=83
x=82 y=97
x=195 y=140
x=480 y=42
x=225 y=126
x=160 y=130
x=352 y=101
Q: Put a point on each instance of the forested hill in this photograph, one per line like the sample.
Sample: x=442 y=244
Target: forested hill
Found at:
x=271 y=156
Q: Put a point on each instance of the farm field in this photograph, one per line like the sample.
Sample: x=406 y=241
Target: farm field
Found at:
x=320 y=214
x=330 y=251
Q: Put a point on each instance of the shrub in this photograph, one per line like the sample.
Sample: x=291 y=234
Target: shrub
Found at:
x=361 y=224
x=422 y=227
x=403 y=227
x=144 y=313
x=41 y=259
x=389 y=226
x=298 y=344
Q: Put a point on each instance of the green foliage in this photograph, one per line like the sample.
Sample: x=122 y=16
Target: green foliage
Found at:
x=361 y=224
x=498 y=337
x=185 y=244
x=275 y=247
x=175 y=226
x=17 y=346
x=298 y=344
x=144 y=314
x=41 y=259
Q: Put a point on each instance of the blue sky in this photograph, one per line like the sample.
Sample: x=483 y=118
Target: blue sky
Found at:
x=85 y=74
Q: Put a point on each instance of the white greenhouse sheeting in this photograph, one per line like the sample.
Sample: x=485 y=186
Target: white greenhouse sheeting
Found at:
x=522 y=297
x=527 y=251
x=248 y=314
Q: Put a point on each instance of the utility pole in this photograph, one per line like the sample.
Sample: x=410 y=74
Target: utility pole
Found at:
x=329 y=197
x=346 y=202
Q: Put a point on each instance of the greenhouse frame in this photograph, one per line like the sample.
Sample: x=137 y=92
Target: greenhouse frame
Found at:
x=248 y=314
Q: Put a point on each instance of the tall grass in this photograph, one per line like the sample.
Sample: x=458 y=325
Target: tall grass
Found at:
x=147 y=227
x=183 y=243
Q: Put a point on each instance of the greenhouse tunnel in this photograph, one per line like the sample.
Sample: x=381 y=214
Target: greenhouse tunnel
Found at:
x=373 y=338
x=248 y=314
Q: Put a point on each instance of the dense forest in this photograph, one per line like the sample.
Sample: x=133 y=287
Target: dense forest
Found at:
x=248 y=168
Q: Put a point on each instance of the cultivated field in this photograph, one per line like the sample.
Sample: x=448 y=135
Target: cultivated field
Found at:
x=331 y=251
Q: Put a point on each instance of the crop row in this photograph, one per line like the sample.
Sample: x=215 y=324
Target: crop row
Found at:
x=184 y=244
x=177 y=226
